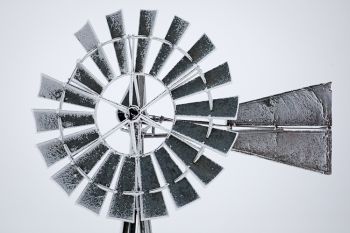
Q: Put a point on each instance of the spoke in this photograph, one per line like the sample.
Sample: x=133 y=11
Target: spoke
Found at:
x=131 y=84
x=131 y=49
x=187 y=77
x=151 y=122
x=114 y=104
x=98 y=140
x=175 y=134
x=133 y=137
x=94 y=95
x=115 y=128
x=131 y=90
x=161 y=95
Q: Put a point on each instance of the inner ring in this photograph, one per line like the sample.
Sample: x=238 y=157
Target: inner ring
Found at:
x=133 y=113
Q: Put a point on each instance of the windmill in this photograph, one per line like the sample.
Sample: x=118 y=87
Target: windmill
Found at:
x=292 y=128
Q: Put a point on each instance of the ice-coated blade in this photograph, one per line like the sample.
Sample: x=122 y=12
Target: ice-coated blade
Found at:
x=68 y=178
x=219 y=140
x=310 y=150
x=80 y=139
x=89 y=159
x=146 y=24
x=222 y=108
x=92 y=197
x=53 y=89
x=153 y=205
x=148 y=175
x=47 y=119
x=50 y=88
x=52 y=151
x=88 y=39
x=181 y=191
x=204 y=168
x=106 y=172
x=177 y=28
x=170 y=170
x=122 y=205
x=126 y=180
x=116 y=27
x=218 y=76
x=77 y=97
x=85 y=77
x=198 y=51
x=310 y=106
x=72 y=119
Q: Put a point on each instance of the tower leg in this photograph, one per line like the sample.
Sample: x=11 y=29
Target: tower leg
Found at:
x=137 y=227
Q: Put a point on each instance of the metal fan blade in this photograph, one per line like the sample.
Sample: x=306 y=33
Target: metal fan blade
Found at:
x=85 y=77
x=93 y=196
x=80 y=139
x=88 y=39
x=74 y=96
x=122 y=205
x=71 y=119
x=50 y=88
x=204 y=168
x=218 y=76
x=68 y=178
x=177 y=29
x=127 y=176
x=198 y=51
x=53 y=89
x=105 y=174
x=146 y=24
x=52 y=151
x=310 y=150
x=181 y=191
x=220 y=140
x=116 y=27
x=310 y=106
x=152 y=203
x=148 y=175
x=222 y=108
x=89 y=159
x=47 y=119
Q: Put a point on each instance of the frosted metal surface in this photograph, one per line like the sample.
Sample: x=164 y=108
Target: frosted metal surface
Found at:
x=177 y=29
x=88 y=39
x=223 y=108
x=215 y=77
x=220 y=140
x=198 y=51
x=116 y=27
x=204 y=168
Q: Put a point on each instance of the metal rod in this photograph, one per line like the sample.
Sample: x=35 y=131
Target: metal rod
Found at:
x=135 y=130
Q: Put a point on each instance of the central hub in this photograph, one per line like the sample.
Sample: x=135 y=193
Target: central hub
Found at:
x=133 y=113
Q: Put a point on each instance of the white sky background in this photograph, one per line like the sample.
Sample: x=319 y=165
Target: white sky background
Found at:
x=271 y=47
